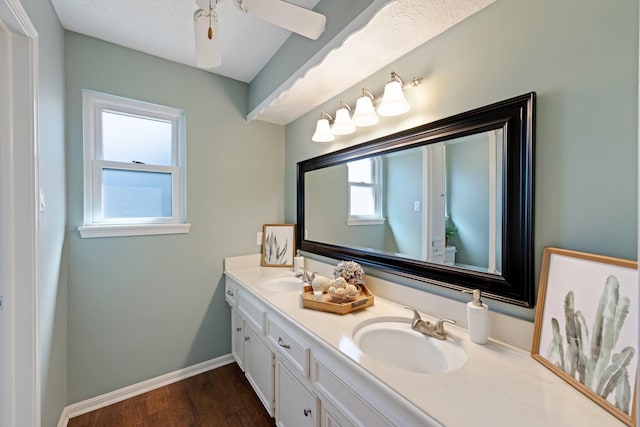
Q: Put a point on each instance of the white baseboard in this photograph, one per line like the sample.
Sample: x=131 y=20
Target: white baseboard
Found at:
x=119 y=395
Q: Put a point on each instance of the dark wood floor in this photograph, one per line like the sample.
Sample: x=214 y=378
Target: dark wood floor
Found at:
x=221 y=397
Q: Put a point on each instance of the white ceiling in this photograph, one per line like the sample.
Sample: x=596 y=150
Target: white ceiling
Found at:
x=164 y=28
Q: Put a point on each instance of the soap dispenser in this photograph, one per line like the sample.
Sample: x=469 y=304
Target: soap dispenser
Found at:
x=478 y=319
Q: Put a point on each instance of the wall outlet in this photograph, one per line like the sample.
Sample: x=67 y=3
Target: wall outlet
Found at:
x=259 y=238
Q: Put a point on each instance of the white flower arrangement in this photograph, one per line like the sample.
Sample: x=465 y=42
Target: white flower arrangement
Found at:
x=340 y=291
x=351 y=271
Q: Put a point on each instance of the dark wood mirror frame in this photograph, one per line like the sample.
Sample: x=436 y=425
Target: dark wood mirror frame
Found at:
x=515 y=284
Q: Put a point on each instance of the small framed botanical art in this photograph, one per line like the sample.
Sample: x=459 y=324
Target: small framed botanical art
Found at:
x=278 y=245
x=586 y=326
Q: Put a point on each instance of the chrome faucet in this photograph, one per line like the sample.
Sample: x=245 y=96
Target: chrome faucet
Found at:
x=306 y=276
x=435 y=330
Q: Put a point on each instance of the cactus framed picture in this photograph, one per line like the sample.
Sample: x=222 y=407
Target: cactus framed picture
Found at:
x=278 y=245
x=586 y=326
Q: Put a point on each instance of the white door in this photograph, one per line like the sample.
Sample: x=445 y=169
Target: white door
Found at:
x=19 y=388
x=434 y=203
x=4 y=91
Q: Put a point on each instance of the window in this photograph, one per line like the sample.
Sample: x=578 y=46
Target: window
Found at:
x=134 y=167
x=365 y=199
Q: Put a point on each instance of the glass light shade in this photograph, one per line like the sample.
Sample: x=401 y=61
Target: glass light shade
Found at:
x=393 y=101
x=207 y=49
x=343 y=125
x=365 y=114
x=323 y=132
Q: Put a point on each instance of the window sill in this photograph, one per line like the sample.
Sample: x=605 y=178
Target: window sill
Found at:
x=376 y=221
x=118 y=230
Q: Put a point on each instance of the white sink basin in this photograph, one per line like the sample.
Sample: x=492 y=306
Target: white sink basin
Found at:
x=282 y=284
x=393 y=342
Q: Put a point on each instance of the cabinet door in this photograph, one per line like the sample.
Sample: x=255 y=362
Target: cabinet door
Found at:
x=333 y=417
x=258 y=366
x=295 y=405
x=237 y=338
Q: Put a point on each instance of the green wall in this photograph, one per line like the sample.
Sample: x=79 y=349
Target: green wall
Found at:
x=403 y=185
x=468 y=198
x=582 y=60
x=140 y=307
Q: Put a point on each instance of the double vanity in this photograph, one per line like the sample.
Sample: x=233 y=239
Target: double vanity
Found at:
x=370 y=368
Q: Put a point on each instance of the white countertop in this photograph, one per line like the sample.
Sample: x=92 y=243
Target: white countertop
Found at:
x=499 y=385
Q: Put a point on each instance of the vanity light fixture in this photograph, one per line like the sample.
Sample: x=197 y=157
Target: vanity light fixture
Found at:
x=343 y=125
x=392 y=103
x=365 y=114
x=323 y=130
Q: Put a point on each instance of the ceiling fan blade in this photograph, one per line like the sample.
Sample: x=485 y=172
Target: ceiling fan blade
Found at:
x=289 y=16
x=207 y=41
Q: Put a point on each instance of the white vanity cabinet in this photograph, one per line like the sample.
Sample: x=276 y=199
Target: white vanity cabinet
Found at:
x=258 y=367
x=298 y=379
x=237 y=338
x=296 y=406
x=249 y=345
x=341 y=405
x=333 y=417
x=231 y=292
x=237 y=324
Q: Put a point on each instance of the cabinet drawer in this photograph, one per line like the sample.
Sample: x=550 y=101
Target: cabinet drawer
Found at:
x=350 y=405
x=252 y=310
x=290 y=345
x=230 y=292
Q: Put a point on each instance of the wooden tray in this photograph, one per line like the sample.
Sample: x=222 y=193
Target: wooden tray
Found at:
x=363 y=301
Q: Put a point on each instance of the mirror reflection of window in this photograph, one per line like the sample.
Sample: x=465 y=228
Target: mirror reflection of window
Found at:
x=365 y=196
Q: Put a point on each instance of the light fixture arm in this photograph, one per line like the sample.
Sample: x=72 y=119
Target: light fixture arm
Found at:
x=366 y=92
x=397 y=78
x=413 y=83
x=345 y=105
x=327 y=116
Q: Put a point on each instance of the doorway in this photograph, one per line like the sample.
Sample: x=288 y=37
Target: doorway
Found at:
x=19 y=377
x=4 y=136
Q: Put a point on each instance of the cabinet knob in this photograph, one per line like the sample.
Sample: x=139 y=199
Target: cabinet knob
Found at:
x=238 y=329
x=307 y=412
x=247 y=338
x=230 y=293
x=282 y=344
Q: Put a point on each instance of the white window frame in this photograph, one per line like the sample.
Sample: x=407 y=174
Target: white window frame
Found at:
x=376 y=184
x=93 y=104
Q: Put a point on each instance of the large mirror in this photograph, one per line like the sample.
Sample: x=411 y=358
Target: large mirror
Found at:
x=449 y=202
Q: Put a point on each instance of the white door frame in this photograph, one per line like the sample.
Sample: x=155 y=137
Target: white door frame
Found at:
x=20 y=405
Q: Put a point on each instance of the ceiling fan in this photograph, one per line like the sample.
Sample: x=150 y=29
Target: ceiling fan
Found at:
x=289 y=16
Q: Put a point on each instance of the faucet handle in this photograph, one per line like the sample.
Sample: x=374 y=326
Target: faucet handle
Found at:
x=439 y=328
x=416 y=315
